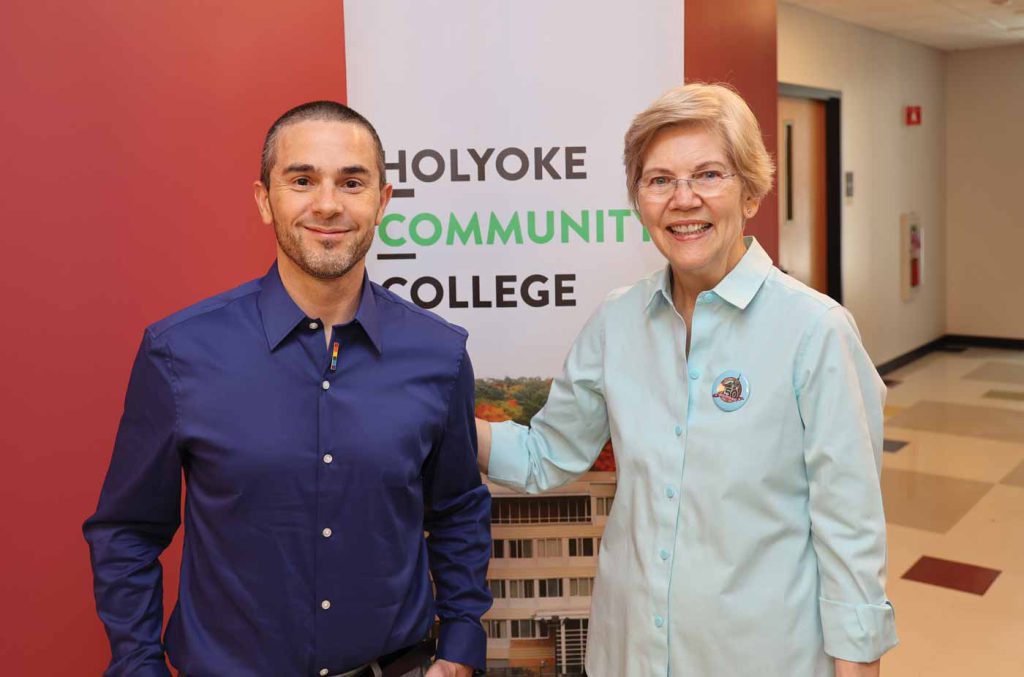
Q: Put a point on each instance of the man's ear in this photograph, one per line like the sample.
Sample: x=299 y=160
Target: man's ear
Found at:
x=259 y=192
x=385 y=198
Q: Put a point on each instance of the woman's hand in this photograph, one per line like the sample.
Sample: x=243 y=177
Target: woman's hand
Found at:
x=483 y=439
x=849 y=669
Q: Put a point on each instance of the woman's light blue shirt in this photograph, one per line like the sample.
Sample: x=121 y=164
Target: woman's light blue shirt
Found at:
x=743 y=542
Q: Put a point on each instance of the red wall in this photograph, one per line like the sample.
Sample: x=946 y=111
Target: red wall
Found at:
x=132 y=133
x=735 y=41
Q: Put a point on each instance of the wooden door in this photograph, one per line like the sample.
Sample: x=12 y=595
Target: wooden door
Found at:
x=803 y=216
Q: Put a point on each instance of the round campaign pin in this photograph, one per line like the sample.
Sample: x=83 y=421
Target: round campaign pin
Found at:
x=730 y=390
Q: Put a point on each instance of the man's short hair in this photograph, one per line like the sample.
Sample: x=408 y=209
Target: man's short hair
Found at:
x=315 y=110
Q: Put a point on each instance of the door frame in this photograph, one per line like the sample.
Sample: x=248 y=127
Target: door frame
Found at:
x=833 y=178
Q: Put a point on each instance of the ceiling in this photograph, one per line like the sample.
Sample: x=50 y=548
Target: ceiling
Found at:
x=943 y=24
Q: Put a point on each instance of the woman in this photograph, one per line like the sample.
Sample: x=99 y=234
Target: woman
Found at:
x=747 y=535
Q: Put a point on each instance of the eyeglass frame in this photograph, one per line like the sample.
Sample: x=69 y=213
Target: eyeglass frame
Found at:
x=689 y=184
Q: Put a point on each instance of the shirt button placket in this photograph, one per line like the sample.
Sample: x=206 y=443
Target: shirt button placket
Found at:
x=327 y=458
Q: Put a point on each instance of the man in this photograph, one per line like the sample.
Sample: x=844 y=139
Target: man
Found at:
x=323 y=425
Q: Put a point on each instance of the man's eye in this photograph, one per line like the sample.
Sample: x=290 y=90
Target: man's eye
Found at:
x=303 y=181
x=353 y=184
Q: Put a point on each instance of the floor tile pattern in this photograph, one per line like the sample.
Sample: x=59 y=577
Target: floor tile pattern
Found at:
x=961 y=419
x=1016 y=478
x=955 y=575
x=929 y=502
x=893 y=445
x=1012 y=395
x=954 y=503
x=999 y=372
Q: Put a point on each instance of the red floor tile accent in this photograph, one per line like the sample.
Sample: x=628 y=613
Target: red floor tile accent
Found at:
x=950 y=574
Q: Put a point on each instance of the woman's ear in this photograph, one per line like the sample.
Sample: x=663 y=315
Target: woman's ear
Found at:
x=750 y=207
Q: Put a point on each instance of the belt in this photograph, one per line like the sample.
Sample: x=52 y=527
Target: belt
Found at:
x=396 y=663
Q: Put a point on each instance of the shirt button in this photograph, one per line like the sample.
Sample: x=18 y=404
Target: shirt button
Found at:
x=324 y=671
x=670 y=492
x=325 y=605
x=663 y=554
x=694 y=374
x=679 y=430
x=658 y=621
x=327 y=532
x=328 y=458
x=326 y=385
x=314 y=325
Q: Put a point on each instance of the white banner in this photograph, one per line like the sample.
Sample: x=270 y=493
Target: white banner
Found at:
x=502 y=124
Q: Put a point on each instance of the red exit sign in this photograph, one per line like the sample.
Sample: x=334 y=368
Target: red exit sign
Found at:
x=912 y=115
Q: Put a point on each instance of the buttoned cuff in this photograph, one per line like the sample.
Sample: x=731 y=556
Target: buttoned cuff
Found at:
x=148 y=668
x=860 y=633
x=463 y=642
x=509 y=464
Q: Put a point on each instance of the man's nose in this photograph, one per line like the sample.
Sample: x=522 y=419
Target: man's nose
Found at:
x=326 y=203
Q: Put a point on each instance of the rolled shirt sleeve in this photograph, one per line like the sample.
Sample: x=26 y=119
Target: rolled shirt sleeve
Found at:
x=137 y=516
x=566 y=436
x=458 y=520
x=841 y=399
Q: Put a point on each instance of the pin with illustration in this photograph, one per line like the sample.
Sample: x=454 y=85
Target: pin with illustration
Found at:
x=730 y=390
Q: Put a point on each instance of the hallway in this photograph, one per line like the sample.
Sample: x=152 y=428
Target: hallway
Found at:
x=953 y=484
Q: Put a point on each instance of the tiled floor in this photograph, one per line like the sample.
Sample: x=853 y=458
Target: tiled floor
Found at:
x=954 y=499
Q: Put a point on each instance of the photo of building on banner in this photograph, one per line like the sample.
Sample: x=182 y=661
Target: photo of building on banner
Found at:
x=503 y=136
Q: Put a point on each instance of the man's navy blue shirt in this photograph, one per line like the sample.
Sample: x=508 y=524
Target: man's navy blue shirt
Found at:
x=308 y=490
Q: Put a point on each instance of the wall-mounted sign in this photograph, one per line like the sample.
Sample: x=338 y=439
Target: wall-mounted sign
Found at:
x=503 y=132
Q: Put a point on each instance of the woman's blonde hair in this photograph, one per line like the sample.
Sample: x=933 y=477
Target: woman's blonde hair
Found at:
x=721 y=110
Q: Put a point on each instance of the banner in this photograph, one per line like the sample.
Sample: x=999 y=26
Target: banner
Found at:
x=502 y=124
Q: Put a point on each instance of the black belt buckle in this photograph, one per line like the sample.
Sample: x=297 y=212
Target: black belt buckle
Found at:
x=399 y=662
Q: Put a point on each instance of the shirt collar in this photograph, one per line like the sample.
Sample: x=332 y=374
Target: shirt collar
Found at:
x=738 y=287
x=281 y=314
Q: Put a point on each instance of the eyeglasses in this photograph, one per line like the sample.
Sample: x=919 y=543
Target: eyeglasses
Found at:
x=705 y=184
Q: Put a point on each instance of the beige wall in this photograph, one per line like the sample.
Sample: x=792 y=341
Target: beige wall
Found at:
x=896 y=168
x=985 y=175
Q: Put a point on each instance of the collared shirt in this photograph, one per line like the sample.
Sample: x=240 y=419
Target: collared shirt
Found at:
x=309 y=487
x=743 y=540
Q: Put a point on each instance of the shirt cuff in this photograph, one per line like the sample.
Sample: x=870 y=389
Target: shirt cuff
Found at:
x=860 y=633
x=509 y=463
x=150 y=668
x=463 y=642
